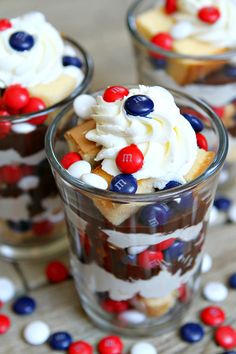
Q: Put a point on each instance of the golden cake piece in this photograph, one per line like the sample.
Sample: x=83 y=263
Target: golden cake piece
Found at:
x=54 y=91
x=202 y=162
x=183 y=71
x=158 y=306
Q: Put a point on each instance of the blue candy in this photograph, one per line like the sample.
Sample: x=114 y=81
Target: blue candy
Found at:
x=20 y=226
x=124 y=183
x=186 y=201
x=232 y=281
x=154 y=215
x=192 y=332
x=139 y=105
x=24 y=305
x=175 y=251
x=60 y=340
x=230 y=352
x=195 y=122
x=21 y=41
x=230 y=70
x=172 y=184
x=158 y=63
x=68 y=60
x=222 y=203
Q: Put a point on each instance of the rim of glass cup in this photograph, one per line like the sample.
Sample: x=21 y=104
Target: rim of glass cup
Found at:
x=131 y=23
x=145 y=197
x=88 y=74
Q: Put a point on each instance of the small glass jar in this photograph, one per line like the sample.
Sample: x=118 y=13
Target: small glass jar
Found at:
x=211 y=78
x=31 y=216
x=120 y=287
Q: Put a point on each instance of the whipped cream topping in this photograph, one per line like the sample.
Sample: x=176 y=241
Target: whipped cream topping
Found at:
x=42 y=63
x=221 y=33
x=165 y=137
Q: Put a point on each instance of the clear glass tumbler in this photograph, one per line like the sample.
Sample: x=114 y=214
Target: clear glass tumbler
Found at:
x=31 y=217
x=122 y=287
x=211 y=78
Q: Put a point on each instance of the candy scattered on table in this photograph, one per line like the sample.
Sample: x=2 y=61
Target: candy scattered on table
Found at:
x=7 y=289
x=215 y=291
x=225 y=337
x=56 y=272
x=212 y=316
x=110 y=345
x=192 y=332
x=60 y=340
x=80 y=347
x=206 y=263
x=222 y=203
x=232 y=281
x=36 y=332
x=24 y=305
x=5 y=324
x=143 y=348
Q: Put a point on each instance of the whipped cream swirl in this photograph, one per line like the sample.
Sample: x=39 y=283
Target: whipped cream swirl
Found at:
x=42 y=63
x=222 y=33
x=165 y=137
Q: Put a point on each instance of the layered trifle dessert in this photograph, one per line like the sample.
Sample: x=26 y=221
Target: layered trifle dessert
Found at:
x=38 y=70
x=193 y=50
x=135 y=261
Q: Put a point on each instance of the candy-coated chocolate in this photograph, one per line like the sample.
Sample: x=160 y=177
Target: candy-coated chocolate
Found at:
x=181 y=30
x=115 y=93
x=21 y=41
x=209 y=14
x=154 y=215
x=16 y=97
x=79 y=168
x=201 y=141
x=35 y=104
x=83 y=106
x=139 y=105
x=220 y=111
x=222 y=203
x=4 y=113
x=113 y=306
x=170 y=6
x=215 y=291
x=56 y=272
x=94 y=180
x=42 y=227
x=192 y=332
x=150 y=259
x=23 y=128
x=36 y=332
x=124 y=183
x=60 y=340
x=5 y=24
x=212 y=316
x=69 y=158
x=110 y=345
x=24 y=305
x=175 y=251
x=132 y=317
x=29 y=182
x=69 y=60
x=232 y=281
x=163 y=40
x=225 y=336
x=172 y=184
x=143 y=347
x=206 y=263
x=230 y=70
x=80 y=347
x=5 y=128
x=129 y=159
x=7 y=289
x=5 y=324
x=11 y=174
x=163 y=245
x=195 y=122
x=20 y=226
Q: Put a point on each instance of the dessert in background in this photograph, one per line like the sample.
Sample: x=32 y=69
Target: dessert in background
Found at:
x=38 y=69
x=137 y=258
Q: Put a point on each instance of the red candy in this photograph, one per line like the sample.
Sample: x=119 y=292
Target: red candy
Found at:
x=42 y=227
x=16 y=97
x=69 y=158
x=220 y=111
x=5 y=127
x=56 y=272
x=129 y=159
x=11 y=174
x=163 y=40
x=115 y=306
x=4 y=113
x=150 y=259
x=212 y=316
x=115 y=93
x=225 y=337
x=5 y=24
x=183 y=293
x=110 y=345
x=163 y=245
x=201 y=141
x=80 y=347
x=35 y=104
x=5 y=324
x=209 y=14
x=171 y=6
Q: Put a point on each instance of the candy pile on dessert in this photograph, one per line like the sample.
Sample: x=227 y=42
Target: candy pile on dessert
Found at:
x=136 y=141
x=197 y=28
x=37 y=70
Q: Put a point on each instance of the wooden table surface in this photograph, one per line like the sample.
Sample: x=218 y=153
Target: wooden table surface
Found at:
x=100 y=26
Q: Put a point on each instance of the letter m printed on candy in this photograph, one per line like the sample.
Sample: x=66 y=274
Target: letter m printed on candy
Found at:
x=127 y=158
x=120 y=184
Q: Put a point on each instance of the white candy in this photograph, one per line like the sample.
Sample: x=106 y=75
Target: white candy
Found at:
x=28 y=182
x=68 y=50
x=232 y=213
x=7 y=289
x=143 y=348
x=132 y=316
x=224 y=176
x=23 y=128
x=82 y=106
x=79 y=168
x=206 y=263
x=94 y=180
x=215 y=291
x=36 y=332
x=217 y=217
x=181 y=30
x=136 y=249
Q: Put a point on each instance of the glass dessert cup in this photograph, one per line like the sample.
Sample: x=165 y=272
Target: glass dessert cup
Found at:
x=120 y=289
x=31 y=217
x=211 y=78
